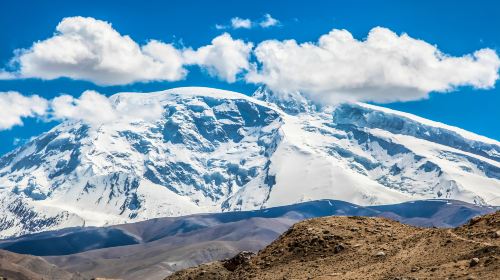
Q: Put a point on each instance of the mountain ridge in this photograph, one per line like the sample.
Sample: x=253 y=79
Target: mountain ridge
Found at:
x=366 y=248
x=216 y=150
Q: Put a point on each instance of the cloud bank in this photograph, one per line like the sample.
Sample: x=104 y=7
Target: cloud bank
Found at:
x=95 y=109
x=385 y=67
x=15 y=106
x=91 y=50
x=91 y=107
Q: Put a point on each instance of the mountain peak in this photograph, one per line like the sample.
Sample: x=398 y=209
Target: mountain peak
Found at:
x=212 y=150
x=183 y=92
x=290 y=102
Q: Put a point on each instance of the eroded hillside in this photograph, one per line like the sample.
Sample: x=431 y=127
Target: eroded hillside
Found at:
x=367 y=248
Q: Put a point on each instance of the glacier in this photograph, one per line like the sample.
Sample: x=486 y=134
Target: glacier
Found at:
x=218 y=151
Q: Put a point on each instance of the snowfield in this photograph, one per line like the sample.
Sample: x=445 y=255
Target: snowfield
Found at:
x=216 y=150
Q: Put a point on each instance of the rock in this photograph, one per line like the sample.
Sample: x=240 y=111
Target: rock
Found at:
x=474 y=262
x=474 y=221
x=489 y=261
x=338 y=248
x=380 y=254
x=238 y=260
x=496 y=234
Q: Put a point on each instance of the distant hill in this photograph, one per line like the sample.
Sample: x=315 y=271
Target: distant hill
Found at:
x=25 y=267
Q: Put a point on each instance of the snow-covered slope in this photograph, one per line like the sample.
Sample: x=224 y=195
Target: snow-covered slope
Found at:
x=216 y=150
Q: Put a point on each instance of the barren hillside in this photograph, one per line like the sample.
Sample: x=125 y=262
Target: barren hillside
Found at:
x=367 y=248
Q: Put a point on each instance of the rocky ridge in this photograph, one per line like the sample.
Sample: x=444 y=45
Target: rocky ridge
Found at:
x=367 y=248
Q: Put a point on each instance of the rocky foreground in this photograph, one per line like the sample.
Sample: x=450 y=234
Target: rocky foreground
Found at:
x=367 y=248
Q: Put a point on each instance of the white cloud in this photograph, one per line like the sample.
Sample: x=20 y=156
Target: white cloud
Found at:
x=220 y=26
x=22 y=141
x=17 y=141
x=134 y=107
x=268 y=21
x=4 y=75
x=225 y=58
x=385 y=67
x=95 y=109
x=237 y=22
x=91 y=107
x=15 y=106
x=90 y=49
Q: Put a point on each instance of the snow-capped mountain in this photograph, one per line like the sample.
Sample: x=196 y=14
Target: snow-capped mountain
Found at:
x=216 y=150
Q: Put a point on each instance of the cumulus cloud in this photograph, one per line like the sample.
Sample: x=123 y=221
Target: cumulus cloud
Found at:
x=95 y=109
x=91 y=107
x=268 y=21
x=224 y=58
x=90 y=49
x=383 y=68
x=15 y=106
x=237 y=22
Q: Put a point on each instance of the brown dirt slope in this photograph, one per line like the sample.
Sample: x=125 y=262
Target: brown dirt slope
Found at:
x=367 y=248
x=27 y=267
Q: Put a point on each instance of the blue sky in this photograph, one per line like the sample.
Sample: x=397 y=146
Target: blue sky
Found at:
x=456 y=27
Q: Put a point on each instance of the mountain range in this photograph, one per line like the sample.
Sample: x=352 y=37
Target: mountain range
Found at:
x=219 y=151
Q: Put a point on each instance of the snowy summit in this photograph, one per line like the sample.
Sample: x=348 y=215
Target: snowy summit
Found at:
x=211 y=150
